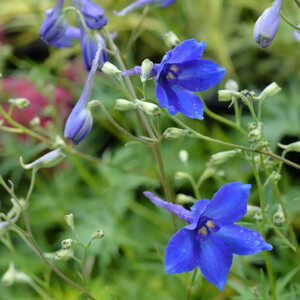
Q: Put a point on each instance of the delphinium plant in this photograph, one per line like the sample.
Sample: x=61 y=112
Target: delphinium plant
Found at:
x=214 y=231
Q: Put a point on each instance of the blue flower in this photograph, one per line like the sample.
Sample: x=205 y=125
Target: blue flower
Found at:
x=183 y=72
x=141 y=3
x=211 y=238
x=89 y=45
x=54 y=26
x=71 y=35
x=80 y=121
x=267 y=25
x=93 y=14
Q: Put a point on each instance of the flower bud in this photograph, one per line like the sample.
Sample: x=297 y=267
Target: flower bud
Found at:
x=35 y=122
x=271 y=90
x=254 y=212
x=66 y=244
x=181 y=176
x=93 y=14
x=70 y=221
x=147 y=66
x=110 y=69
x=267 y=25
x=124 y=105
x=255 y=134
x=232 y=85
x=273 y=178
x=12 y=276
x=175 y=133
x=225 y=95
x=171 y=39
x=48 y=160
x=278 y=217
x=63 y=254
x=183 y=156
x=148 y=108
x=222 y=157
x=291 y=147
x=97 y=235
x=20 y=103
x=184 y=199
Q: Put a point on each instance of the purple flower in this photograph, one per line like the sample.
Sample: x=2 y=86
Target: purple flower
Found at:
x=267 y=25
x=71 y=35
x=89 y=45
x=54 y=26
x=80 y=121
x=93 y=14
x=211 y=238
x=297 y=33
x=141 y=3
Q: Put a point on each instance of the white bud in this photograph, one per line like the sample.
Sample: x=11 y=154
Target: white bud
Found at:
x=147 y=66
x=171 y=39
x=175 y=133
x=66 y=244
x=222 y=157
x=232 y=85
x=183 y=156
x=271 y=90
x=20 y=103
x=97 y=235
x=291 y=147
x=226 y=95
x=70 y=221
x=110 y=69
x=35 y=122
x=64 y=254
x=12 y=276
x=278 y=217
x=124 y=105
x=181 y=176
x=48 y=160
x=147 y=107
x=184 y=199
x=254 y=212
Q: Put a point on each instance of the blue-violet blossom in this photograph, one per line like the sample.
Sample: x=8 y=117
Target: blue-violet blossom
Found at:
x=80 y=121
x=93 y=13
x=267 y=25
x=211 y=237
x=141 y=3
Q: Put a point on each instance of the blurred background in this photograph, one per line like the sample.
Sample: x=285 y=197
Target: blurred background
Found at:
x=107 y=194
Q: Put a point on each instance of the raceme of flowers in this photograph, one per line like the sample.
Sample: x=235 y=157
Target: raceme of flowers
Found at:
x=211 y=238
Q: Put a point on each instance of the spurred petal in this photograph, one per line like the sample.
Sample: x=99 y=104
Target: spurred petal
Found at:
x=177 y=99
x=176 y=209
x=197 y=212
x=200 y=75
x=229 y=203
x=215 y=259
x=186 y=51
x=182 y=252
x=243 y=241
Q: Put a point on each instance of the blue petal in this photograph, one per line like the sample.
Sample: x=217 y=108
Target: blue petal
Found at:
x=243 y=241
x=177 y=99
x=93 y=14
x=67 y=40
x=200 y=75
x=215 y=259
x=182 y=252
x=176 y=209
x=165 y=3
x=132 y=6
x=229 y=203
x=185 y=51
x=197 y=212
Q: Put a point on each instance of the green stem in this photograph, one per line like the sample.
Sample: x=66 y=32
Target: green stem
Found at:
x=237 y=113
x=287 y=21
x=244 y=148
x=190 y=284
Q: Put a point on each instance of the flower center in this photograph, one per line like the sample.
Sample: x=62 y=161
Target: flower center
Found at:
x=172 y=72
x=207 y=227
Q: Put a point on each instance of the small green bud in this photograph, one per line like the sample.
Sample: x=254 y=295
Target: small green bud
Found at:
x=225 y=95
x=66 y=244
x=254 y=212
x=184 y=199
x=20 y=103
x=175 y=133
x=183 y=156
x=181 y=176
x=110 y=69
x=97 y=235
x=70 y=220
x=124 y=105
x=273 y=178
x=48 y=160
x=147 y=107
x=278 y=217
x=255 y=134
x=222 y=157
x=171 y=39
x=291 y=147
x=147 y=66
x=12 y=276
x=63 y=254
x=232 y=85
x=59 y=142
x=35 y=122
x=271 y=90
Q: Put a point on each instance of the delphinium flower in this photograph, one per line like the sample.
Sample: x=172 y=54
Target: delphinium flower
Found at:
x=267 y=25
x=93 y=14
x=182 y=72
x=80 y=121
x=211 y=238
x=141 y=3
